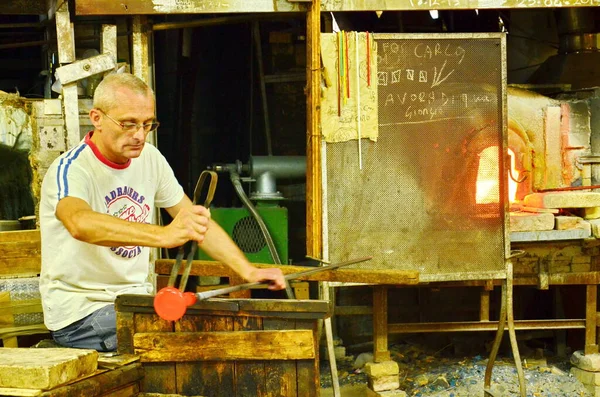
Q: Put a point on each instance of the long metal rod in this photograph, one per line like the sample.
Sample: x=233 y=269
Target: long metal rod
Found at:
x=287 y=277
x=487 y=380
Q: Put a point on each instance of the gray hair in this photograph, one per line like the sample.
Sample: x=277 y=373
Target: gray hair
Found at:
x=104 y=96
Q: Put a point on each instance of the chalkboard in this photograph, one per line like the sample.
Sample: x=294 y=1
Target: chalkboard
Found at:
x=428 y=195
x=424 y=81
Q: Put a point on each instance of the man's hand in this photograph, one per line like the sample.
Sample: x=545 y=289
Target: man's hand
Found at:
x=273 y=276
x=190 y=223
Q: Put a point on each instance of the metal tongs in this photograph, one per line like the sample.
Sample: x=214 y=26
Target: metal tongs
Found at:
x=212 y=178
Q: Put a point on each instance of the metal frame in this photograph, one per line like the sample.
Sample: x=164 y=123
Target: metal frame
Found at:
x=381 y=328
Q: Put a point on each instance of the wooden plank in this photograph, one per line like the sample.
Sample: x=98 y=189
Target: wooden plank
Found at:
x=108 y=41
x=71 y=114
x=19 y=307
x=275 y=307
x=367 y=276
x=159 y=377
x=8 y=391
x=21 y=249
x=8 y=332
x=20 y=235
x=105 y=383
x=130 y=7
x=591 y=308
x=235 y=345
x=65 y=34
x=85 y=68
x=145 y=304
x=307 y=371
x=281 y=379
x=133 y=7
x=7 y=319
x=250 y=376
x=314 y=208
x=126 y=391
x=125 y=331
x=411 y=5
x=202 y=378
x=19 y=267
x=139 y=39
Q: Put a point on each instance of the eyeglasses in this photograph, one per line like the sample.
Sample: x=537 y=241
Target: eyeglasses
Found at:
x=132 y=128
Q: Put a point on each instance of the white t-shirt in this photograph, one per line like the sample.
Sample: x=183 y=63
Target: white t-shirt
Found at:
x=78 y=278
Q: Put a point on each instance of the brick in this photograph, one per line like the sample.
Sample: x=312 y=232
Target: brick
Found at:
x=566 y=222
x=44 y=368
x=377 y=370
x=389 y=382
x=563 y=200
x=524 y=221
x=591 y=213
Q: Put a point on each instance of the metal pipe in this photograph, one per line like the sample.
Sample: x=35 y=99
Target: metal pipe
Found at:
x=266 y=170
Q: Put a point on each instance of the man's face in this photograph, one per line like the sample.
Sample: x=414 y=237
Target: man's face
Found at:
x=114 y=142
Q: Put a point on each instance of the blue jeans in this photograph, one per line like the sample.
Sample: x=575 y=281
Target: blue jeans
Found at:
x=97 y=331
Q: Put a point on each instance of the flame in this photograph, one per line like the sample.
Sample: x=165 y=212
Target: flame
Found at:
x=487 y=190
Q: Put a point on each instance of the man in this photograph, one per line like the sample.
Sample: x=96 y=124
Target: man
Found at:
x=96 y=219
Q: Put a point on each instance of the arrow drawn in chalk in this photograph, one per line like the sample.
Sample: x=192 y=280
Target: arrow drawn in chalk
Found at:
x=437 y=78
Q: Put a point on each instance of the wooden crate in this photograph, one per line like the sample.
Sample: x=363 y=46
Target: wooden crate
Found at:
x=19 y=258
x=225 y=347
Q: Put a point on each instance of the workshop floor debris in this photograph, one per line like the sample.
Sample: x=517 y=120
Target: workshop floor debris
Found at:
x=426 y=372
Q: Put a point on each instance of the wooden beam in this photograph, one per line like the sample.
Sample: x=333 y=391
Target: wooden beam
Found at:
x=84 y=68
x=314 y=209
x=140 y=57
x=591 y=308
x=71 y=114
x=381 y=352
x=224 y=346
x=65 y=35
x=412 y=5
x=133 y=7
x=108 y=43
x=367 y=276
x=136 y=7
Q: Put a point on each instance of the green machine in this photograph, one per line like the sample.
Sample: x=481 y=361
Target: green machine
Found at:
x=261 y=229
x=245 y=231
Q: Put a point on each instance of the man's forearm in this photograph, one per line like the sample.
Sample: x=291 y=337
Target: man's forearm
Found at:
x=102 y=229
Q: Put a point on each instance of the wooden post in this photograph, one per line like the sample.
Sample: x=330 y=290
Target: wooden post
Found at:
x=140 y=56
x=314 y=231
x=380 y=324
x=484 y=305
x=109 y=41
x=65 y=36
x=591 y=303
